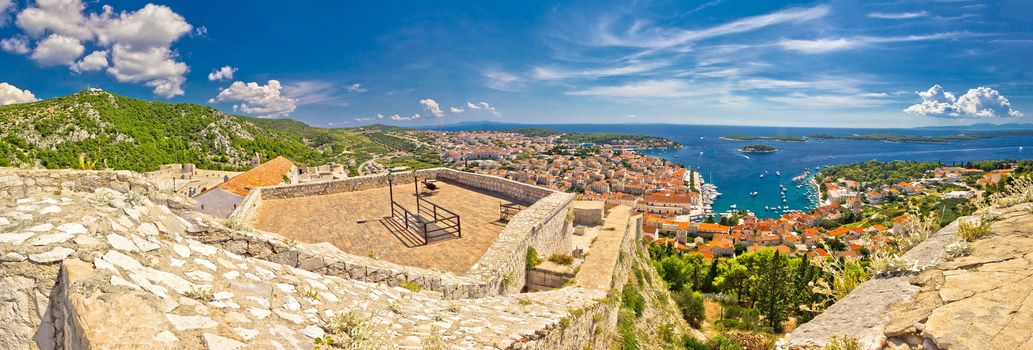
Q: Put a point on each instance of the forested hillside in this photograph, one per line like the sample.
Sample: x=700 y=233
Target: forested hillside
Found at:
x=102 y=130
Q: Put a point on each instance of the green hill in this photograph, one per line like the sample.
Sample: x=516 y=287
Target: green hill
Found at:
x=119 y=132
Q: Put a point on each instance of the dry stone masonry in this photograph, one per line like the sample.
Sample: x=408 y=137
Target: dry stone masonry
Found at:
x=104 y=260
x=545 y=226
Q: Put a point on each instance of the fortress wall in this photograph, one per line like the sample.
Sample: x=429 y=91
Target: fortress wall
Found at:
x=516 y=190
x=16 y=182
x=544 y=226
x=591 y=326
x=247 y=210
x=326 y=259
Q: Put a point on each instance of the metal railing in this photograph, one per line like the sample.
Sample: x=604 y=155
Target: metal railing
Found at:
x=440 y=221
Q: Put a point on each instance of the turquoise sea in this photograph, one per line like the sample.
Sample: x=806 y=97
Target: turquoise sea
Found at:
x=737 y=175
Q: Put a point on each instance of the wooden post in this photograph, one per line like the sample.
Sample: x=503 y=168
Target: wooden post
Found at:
x=416 y=185
x=391 y=194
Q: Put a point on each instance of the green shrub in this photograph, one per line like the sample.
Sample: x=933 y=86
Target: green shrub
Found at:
x=626 y=327
x=844 y=343
x=971 y=231
x=724 y=343
x=691 y=343
x=532 y=258
x=633 y=300
x=691 y=305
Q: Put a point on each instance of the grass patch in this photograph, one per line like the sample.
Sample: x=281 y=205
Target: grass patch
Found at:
x=561 y=259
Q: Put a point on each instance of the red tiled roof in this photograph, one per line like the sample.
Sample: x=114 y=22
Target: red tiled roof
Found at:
x=267 y=174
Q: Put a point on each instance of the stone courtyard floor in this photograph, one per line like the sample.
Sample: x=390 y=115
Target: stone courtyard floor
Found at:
x=357 y=223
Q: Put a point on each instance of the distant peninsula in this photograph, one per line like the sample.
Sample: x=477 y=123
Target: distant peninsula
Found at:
x=600 y=138
x=758 y=148
x=764 y=138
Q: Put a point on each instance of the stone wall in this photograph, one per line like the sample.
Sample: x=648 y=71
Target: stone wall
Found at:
x=543 y=226
x=545 y=279
x=247 y=210
x=16 y=182
x=591 y=327
x=516 y=190
x=127 y=273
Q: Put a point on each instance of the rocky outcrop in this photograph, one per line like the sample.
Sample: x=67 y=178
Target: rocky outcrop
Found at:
x=864 y=313
x=980 y=301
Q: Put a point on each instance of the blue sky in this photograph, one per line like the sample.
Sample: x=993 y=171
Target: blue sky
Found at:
x=830 y=63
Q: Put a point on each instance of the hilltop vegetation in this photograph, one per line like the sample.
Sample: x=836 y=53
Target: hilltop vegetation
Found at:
x=764 y=138
x=758 y=148
x=640 y=141
x=118 y=132
x=876 y=173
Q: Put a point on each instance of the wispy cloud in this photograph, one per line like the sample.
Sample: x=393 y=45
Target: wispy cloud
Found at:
x=500 y=80
x=642 y=35
x=800 y=100
x=552 y=73
x=898 y=15
x=308 y=92
x=825 y=45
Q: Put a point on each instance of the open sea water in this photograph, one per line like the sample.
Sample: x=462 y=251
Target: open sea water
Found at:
x=737 y=174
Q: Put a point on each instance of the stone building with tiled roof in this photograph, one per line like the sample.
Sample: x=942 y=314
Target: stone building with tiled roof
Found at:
x=223 y=198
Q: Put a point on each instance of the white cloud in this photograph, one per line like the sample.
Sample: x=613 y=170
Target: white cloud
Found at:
x=818 y=45
x=5 y=6
x=151 y=26
x=356 y=88
x=980 y=102
x=455 y=110
x=262 y=100
x=362 y=119
x=644 y=36
x=901 y=15
x=220 y=74
x=139 y=41
x=401 y=118
x=57 y=50
x=156 y=67
x=432 y=107
x=485 y=107
x=9 y=94
x=16 y=45
x=825 y=45
x=91 y=63
x=380 y=116
x=63 y=17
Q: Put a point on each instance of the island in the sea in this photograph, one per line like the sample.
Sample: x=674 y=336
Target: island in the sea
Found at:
x=758 y=148
x=782 y=138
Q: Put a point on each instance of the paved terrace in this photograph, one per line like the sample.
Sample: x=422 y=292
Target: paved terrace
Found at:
x=355 y=222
